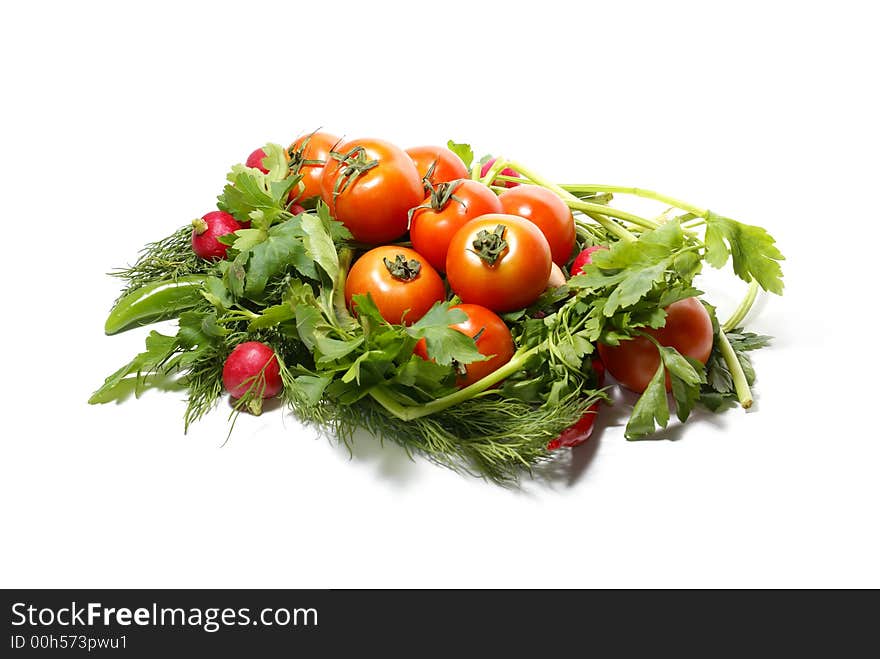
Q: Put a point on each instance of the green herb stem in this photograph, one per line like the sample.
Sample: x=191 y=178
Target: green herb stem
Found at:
x=743 y=309
x=740 y=383
x=410 y=412
x=638 y=192
x=577 y=204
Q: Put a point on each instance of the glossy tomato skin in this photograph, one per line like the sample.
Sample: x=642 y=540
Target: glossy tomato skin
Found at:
x=548 y=211
x=307 y=150
x=393 y=296
x=375 y=205
x=518 y=276
x=493 y=338
x=431 y=230
x=449 y=166
x=688 y=329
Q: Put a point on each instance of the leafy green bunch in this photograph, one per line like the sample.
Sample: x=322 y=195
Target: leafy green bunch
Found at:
x=282 y=283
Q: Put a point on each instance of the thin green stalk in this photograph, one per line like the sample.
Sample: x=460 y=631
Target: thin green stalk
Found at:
x=744 y=307
x=743 y=393
x=638 y=192
x=410 y=412
x=576 y=204
x=590 y=209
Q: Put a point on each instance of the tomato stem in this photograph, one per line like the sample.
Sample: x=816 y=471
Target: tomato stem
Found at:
x=410 y=412
x=743 y=309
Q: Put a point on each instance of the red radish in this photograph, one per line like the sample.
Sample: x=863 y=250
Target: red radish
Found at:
x=507 y=171
x=584 y=258
x=207 y=229
x=580 y=431
x=252 y=368
x=296 y=209
x=255 y=160
x=577 y=433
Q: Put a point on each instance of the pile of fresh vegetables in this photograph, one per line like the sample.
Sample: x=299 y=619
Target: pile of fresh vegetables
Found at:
x=465 y=309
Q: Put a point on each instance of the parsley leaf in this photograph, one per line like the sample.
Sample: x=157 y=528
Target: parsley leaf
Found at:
x=463 y=151
x=445 y=344
x=754 y=251
x=651 y=406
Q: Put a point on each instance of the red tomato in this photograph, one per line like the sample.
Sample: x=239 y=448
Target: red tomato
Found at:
x=548 y=211
x=447 y=165
x=445 y=211
x=400 y=282
x=308 y=154
x=688 y=329
x=492 y=338
x=499 y=261
x=584 y=258
x=370 y=186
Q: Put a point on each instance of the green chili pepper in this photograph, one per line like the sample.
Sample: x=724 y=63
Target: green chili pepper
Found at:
x=153 y=302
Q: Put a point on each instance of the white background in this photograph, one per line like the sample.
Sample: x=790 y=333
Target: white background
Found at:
x=119 y=124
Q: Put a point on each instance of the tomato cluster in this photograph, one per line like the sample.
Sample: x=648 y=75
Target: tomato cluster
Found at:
x=498 y=252
x=495 y=252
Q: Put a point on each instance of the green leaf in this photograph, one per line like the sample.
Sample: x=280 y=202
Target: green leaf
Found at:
x=159 y=348
x=272 y=316
x=216 y=293
x=283 y=247
x=754 y=251
x=685 y=377
x=333 y=349
x=443 y=343
x=463 y=151
x=307 y=321
x=246 y=239
x=635 y=286
x=422 y=374
x=680 y=366
x=311 y=387
x=319 y=245
x=651 y=406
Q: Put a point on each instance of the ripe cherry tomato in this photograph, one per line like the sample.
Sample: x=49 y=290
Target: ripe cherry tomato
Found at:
x=688 y=329
x=399 y=280
x=499 y=261
x=548 y=211
x=447 y=166
x=491 y=336
x=448 y=208
x=308 y=154
x=584 y=258
x=370 y=186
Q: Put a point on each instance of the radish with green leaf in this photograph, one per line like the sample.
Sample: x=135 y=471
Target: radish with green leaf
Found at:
x=207 y=229
x=251 y=373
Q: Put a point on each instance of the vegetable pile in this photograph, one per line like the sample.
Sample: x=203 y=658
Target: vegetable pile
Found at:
x=466 y=309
